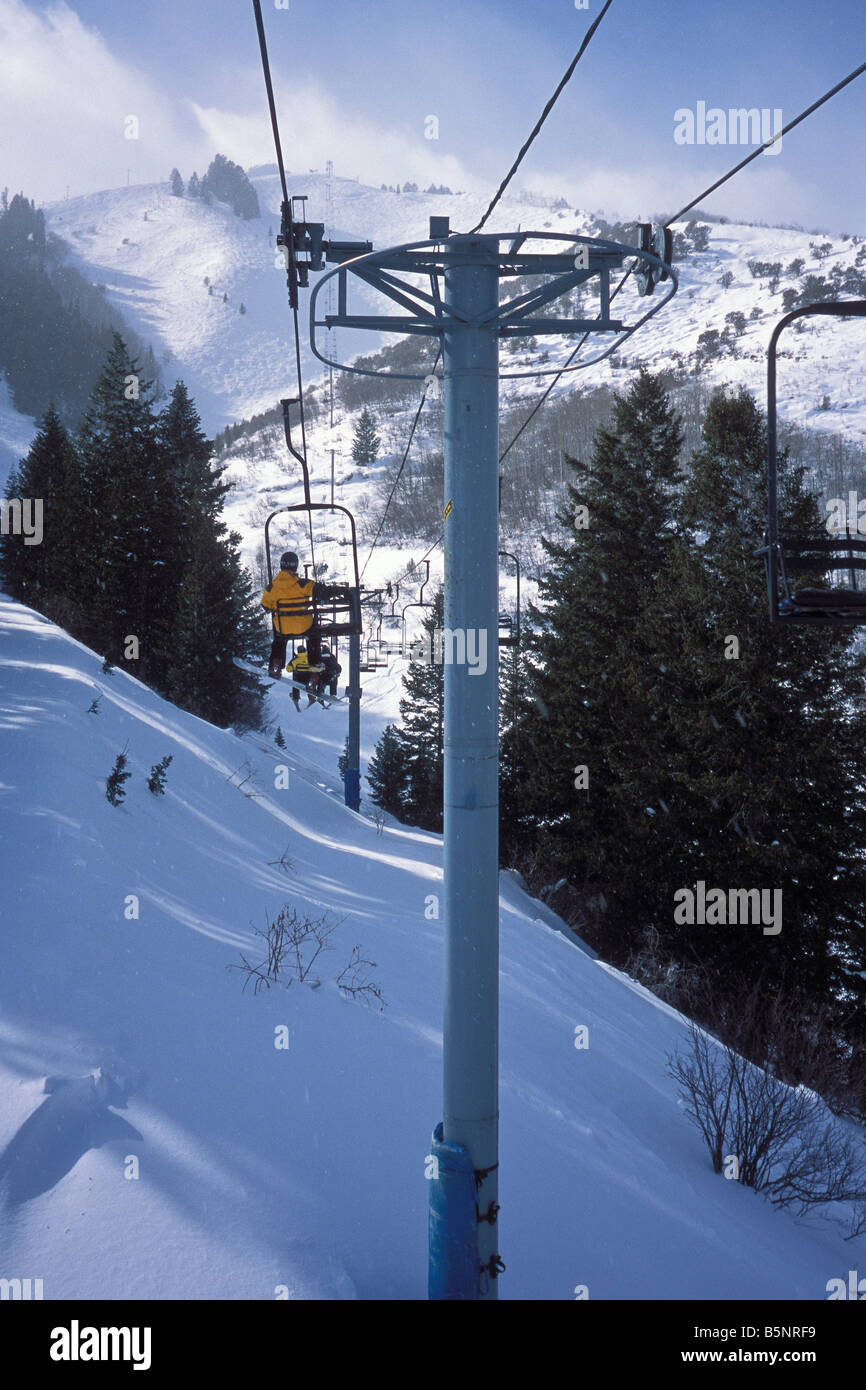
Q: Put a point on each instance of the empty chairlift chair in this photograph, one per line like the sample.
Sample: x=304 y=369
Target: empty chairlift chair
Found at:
x=837 y=559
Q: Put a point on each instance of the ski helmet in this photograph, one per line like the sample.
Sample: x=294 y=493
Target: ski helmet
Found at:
x=289 y=561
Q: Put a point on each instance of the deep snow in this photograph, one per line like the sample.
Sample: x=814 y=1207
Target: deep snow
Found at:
x=303 y=1169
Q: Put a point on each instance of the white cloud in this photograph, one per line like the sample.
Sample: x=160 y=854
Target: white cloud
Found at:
x=65 y=100
x=763 y=193
x=312 y=122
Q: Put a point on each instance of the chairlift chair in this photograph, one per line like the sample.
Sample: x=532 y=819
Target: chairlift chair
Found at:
x=509 y=629
x=419 y=603
x=786 y=555
x=336 y=616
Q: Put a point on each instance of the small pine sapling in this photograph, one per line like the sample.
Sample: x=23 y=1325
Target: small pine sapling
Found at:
x=156 y=780
x=114 y=788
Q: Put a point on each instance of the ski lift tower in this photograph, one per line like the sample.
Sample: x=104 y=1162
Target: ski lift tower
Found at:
x=462 y=308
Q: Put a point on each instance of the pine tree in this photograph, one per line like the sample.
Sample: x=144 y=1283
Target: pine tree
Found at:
x=516 y=822
x=156 y=780
x=41 y=574
x=193 y=188
x=227 y=182
x=118 y=560
x=114 y=789
x=176 y=184
x=216 y=624
x=366 y=443
x=758 y=740
x=584 y=716
x=279 y=738
x=388 y=773
x=422 y=711
x=142 y=549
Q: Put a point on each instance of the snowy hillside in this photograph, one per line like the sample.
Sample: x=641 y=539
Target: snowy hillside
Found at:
x=158 y=1144
x=153 y=252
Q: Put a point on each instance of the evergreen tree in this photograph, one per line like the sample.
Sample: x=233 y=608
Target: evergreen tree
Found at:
x=176 y=184
x=758 y=740
x=38 y=574
x=422 y=711
x=217 y=623
x=115 y=791
x=581 y=726
x=516 y=820
x=119 y=567
x=407 y=767
x=387 y=774
x=279 y=738
x=187 y=455
x=156 y=780
x=227 y=182
x=135 y=546
x=193 y=188
x=366 y=443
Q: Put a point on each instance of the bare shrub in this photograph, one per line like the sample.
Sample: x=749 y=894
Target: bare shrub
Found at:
x=285 y=862
x=679 y=984
x=352 y=979
x=293 y=944
x=786 y=1142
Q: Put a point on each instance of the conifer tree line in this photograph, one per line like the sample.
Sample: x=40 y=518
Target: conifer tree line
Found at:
x=135 y=559
x=224 y=182
x=55 y=327
x=657 y=731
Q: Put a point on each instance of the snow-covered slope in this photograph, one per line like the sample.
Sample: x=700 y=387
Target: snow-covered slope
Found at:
x=153 y=252
x=176 y=1152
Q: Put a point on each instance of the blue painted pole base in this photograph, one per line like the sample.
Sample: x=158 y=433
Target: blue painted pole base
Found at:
x=454 y=1270
x=352 y=785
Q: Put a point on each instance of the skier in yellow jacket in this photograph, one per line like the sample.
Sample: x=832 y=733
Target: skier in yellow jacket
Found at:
x=289 y=600
x=295 y=612
x=304 y=674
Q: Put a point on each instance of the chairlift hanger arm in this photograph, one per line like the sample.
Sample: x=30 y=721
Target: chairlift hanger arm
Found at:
x=309 y=507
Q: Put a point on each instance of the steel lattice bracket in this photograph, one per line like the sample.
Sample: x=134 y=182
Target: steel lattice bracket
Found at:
x=425 y=312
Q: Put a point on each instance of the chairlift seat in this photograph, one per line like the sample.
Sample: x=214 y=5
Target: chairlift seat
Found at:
x=830 y=604
x=827 y=598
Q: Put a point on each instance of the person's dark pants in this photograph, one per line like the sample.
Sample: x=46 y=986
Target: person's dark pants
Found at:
x=311 y=640
x=277 y=662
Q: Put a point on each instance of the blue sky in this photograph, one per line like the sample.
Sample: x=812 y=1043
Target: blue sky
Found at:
x=356 y=81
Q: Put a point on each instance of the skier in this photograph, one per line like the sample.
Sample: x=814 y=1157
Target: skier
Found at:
x=304 y=674
x=290 y=602
x=332 y=669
